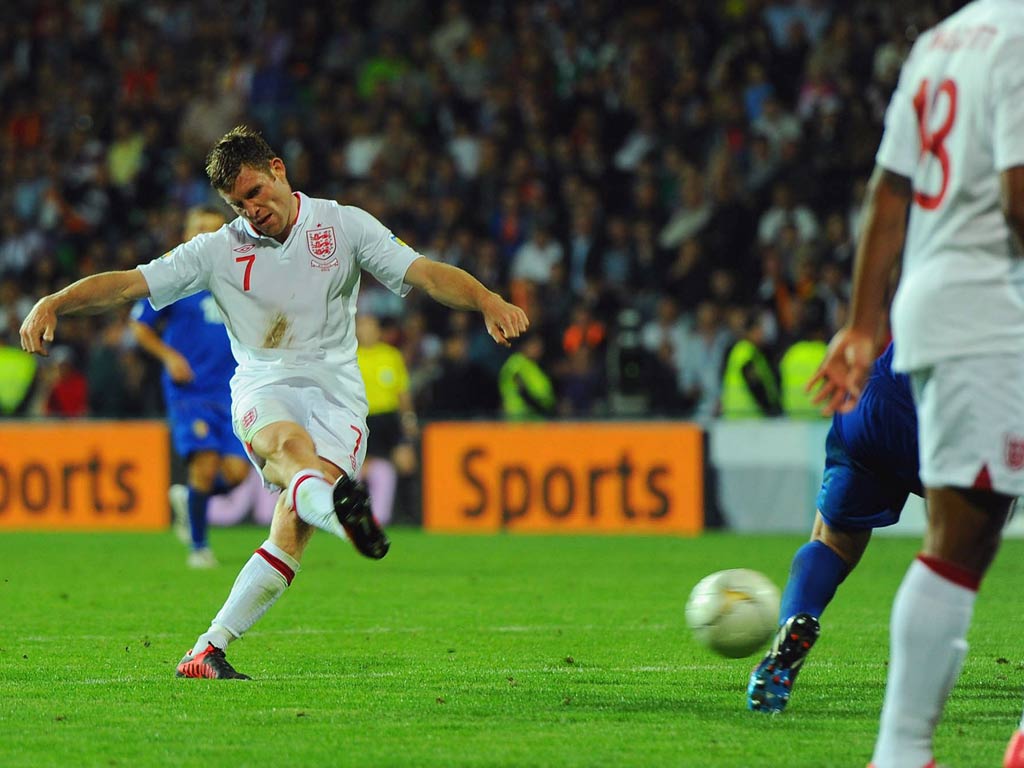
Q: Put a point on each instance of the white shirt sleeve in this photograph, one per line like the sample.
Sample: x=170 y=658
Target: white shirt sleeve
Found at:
x=900 y=147
x=1008 y=104
x=182 y=271
x=378 y=251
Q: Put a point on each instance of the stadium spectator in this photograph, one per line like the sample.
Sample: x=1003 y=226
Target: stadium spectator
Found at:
x=463 y=388
x=667 y=333
x=534 y=259
x=63 y=390
x=17 y=372
x=692 y=214
x=581 y=247
x=14 y=305
x=750 y=387
x=527 y=392
x=786 y=211
x=539 y=101
x=776 y=125
x=801 y=359
x=20 y=246
x=702 y=360
x=115 y=372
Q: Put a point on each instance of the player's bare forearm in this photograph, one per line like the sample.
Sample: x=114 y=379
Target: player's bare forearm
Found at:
x=96 y=294
x=881 y=242
x=458 y=289
x=90 y=295
x=449 y=285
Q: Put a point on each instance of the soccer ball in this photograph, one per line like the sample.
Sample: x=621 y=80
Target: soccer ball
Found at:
x=733 y=612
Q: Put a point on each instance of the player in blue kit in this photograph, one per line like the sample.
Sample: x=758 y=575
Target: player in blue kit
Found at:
x=871 y=467
x=196 y=354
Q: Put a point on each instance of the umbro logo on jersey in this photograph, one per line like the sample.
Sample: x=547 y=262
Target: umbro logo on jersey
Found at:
x=322 y=246
x=245 y=248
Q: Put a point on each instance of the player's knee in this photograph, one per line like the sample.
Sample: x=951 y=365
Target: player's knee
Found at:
x=234 y=470
x=294 y=447
x=282 y=440
x=297 y=447
x=202 y=470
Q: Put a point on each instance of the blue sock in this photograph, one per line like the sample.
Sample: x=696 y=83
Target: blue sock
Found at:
x=220 y=485
x=197 y=501
x=814 y=575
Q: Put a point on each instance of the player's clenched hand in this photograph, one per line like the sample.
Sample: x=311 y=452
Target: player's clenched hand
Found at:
x=38 y=327
x=178 y=368
x=841 y=376
x=504 y=321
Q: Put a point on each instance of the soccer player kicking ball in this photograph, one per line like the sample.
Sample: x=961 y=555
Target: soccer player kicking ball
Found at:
x=952 y=154
x=285 y=276
x=871 y=468
x=198 y=364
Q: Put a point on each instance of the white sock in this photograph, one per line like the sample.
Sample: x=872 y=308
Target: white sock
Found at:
x=381 y=481
x=311 y=496
x=260 y=582
x=930 y=618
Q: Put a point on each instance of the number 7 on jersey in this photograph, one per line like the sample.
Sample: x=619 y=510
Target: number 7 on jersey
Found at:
x=249 y=260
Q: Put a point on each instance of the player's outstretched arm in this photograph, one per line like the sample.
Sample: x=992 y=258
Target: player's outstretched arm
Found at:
x=458 y=289
x=848 y=362
x=88 y=296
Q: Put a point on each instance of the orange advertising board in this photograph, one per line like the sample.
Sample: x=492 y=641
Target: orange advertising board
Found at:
x=84 y=475
x=572 y=477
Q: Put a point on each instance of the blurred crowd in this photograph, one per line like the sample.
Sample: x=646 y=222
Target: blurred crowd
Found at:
x=649 y=180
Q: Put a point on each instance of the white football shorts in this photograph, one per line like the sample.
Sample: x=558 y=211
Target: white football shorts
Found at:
x=970 y=414
x=339 y=435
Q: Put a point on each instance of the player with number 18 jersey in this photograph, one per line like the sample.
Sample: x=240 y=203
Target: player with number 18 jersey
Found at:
x=955 y=131
x=955 y=121
x=955 y=124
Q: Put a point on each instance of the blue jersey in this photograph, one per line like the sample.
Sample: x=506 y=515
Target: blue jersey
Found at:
x=193 y=326
x=872 y=462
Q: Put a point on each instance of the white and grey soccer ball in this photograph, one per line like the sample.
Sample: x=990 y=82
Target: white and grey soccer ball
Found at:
x=733 y=612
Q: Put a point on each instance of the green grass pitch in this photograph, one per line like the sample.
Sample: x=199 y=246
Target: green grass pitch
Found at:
x=457 y=651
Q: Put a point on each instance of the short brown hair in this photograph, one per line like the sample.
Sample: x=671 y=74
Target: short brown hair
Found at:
x=240 y=146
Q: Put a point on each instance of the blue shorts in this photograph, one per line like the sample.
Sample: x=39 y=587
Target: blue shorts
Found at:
x=201 y=425
x=871 y=464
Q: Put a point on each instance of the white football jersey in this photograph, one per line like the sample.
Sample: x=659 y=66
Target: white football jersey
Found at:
x=955 y=121
x=289 y=308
